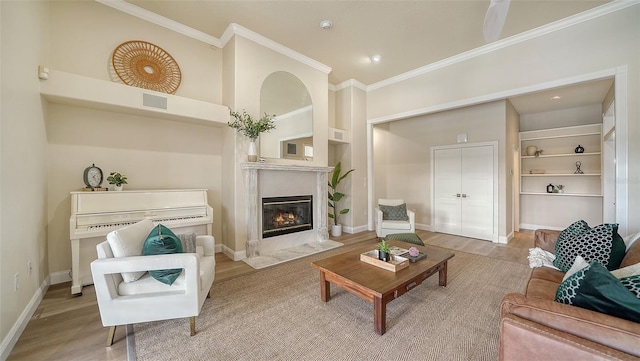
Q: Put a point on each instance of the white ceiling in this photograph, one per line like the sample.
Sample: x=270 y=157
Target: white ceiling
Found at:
x=408 y=34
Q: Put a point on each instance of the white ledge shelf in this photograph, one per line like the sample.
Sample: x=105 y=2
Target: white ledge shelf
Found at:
x=284 y=167
x=78 y=90
x=560 y=155
x=561 y=175
x=561 y=194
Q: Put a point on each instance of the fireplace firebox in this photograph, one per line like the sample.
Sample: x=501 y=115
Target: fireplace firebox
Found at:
x=284 y=215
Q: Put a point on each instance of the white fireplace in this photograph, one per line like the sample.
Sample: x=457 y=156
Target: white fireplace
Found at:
x=271 y=180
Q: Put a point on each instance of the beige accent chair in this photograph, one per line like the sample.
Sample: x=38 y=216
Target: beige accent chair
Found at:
x=141 y=298
x=385 y=227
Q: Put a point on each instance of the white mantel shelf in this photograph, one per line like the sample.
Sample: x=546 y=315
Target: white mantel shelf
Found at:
x=284 y=167
x=79 y=90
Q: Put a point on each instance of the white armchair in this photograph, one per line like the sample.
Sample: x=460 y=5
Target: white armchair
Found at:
x=390 y=226
x=147 y=299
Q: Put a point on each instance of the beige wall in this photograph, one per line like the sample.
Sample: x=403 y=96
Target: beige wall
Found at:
x=23 y=161
x=85 y=33
x=511 y=195
x=350 y=115
x=603 y=43
x=152 y=153
x=402 y=154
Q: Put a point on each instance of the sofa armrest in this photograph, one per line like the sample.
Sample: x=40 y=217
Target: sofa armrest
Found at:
x=208 y=243
x=616 y=333
x=521 y=339
x=546 y=239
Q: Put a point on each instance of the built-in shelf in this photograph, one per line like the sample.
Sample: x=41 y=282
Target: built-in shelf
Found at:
x=562 y=155
x=560 y=160
x=562 y=175
x=78 y=90
x=561 y=194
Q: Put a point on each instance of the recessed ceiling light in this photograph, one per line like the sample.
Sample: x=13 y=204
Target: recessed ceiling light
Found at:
x=555 y=97
x=326 y=24
x=376 y=58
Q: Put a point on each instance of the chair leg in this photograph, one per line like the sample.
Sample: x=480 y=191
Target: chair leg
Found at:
x=111 y=335
x=192 y=323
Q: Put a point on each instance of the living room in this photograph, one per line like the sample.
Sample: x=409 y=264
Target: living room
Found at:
x=46 y=145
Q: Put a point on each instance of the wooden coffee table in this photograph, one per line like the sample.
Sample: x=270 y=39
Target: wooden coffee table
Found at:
x=376 y=285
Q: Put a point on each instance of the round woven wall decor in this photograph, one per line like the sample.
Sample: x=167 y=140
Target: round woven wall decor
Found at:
x=145 y=65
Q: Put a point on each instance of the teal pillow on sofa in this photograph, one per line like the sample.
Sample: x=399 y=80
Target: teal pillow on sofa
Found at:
x=595 y=288
x=162 y=241
x=601 y=243
x=394 y=213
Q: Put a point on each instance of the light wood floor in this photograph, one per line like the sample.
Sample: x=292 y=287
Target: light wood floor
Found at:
x=66 y=327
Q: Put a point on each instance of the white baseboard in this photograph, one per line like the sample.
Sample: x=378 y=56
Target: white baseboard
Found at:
x=60 y=277
x=234 y=255
x=352 y=230
x=424 y=227
x=505 y=240
x=22 y=321
x=533 y=227
x=217 y=248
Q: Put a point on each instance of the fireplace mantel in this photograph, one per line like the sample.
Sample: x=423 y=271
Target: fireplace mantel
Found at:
x=285 y=167
x=253 y=200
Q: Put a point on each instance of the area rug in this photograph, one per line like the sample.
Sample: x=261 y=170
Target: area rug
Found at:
x=277 y=314
x=267 y=259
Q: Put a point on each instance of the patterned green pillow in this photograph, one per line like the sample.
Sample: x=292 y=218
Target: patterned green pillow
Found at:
x=162 y=241
x=394 y=213
x=596 y=289
x=601 y=243
x=405 y=237
x=632 y=283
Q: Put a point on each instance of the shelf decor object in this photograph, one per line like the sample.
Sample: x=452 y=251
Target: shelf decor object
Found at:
x=579 y=149
x=145 y=65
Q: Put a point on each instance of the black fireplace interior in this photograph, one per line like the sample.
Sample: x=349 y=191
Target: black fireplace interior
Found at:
x=284 y=215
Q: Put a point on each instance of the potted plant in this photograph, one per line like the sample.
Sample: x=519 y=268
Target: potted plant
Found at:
x=117 y=180
x=335 y=197
x=251 y=128
x=384 y=251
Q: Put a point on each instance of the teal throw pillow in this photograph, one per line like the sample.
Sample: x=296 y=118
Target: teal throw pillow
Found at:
x=596 y=289
x=394 y=213
x=162 y=241
x=601 y=243
x=632 y=283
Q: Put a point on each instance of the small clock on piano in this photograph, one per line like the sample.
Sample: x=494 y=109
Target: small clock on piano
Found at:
x=92 y=178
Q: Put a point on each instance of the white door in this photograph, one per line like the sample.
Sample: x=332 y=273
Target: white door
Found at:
x=464 y=191
x=448 y=197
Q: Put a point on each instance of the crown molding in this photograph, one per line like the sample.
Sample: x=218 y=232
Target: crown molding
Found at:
x=154 y=18
x=351 y=82
x=232 y=29
x=275 y=46
x=591 y=14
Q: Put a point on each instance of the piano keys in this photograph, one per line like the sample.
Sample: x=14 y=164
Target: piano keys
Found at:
x=94 y=214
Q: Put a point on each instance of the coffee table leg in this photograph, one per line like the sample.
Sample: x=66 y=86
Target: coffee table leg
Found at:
x=325 y=288
x=443 y=274
x=379 y=316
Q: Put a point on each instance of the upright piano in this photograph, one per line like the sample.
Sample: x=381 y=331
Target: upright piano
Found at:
x=94 y=214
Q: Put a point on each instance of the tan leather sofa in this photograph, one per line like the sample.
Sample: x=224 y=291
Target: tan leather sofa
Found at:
x=535 y=327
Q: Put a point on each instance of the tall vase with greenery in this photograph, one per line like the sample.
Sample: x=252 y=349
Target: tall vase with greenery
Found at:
x=251 y=128
x=335 y=197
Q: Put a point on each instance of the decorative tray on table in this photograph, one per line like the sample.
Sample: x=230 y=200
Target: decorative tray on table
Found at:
x=395 y=264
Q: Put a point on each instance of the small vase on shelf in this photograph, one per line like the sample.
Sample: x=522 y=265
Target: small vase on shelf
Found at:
x=253 y=151
x=117 y=188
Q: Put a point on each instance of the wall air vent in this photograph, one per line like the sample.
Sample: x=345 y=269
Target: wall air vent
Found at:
x=154 y=101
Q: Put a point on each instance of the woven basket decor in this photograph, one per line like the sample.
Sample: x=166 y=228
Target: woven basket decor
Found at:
x=145 y=65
